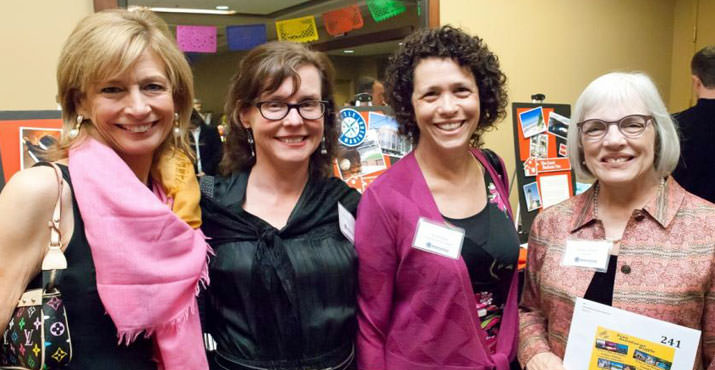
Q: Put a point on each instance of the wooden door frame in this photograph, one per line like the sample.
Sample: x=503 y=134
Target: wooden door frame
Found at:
x=109 y=4
x=433 y=13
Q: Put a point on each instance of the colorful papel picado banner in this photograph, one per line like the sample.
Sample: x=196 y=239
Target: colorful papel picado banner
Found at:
x=297 y=29
x=385 y=9
x=343 y=20
x=197 y=39
x=245 y=37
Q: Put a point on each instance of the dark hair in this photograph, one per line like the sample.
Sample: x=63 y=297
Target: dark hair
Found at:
x=196 y=119
x=467 y=51
x=263 y=70
x=703 y=66
x=364 y=85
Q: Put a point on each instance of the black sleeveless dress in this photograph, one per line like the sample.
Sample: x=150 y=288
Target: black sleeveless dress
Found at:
x=94 y=336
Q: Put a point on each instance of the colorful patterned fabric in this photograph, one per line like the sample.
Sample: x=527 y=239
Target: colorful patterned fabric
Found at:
x=489 y=318
x=37 y=335
x=665 y=269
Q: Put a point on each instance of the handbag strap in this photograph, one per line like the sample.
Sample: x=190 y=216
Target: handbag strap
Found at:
x=500 y=180
x=54 y=258
x=497 y=164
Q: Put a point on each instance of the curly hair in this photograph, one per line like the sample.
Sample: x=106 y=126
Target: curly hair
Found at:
x=263 y=70
x=467 y=51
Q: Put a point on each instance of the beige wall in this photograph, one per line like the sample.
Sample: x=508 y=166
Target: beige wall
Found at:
x=212 y=74
x=694 y=28
x=557 y=47
x=706 y=24
x=33 y=35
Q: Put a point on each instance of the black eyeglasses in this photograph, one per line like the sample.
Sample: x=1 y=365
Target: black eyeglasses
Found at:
x=277 y=110
x=631 y=126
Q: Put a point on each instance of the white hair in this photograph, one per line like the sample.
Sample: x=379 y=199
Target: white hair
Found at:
x=615 y=89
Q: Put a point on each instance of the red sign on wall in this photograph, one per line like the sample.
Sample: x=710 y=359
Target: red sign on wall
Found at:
x=552 y=164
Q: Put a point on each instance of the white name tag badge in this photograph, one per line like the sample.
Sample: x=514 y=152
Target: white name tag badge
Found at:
x=438 y=238
x=347 y=223
x=591 y=254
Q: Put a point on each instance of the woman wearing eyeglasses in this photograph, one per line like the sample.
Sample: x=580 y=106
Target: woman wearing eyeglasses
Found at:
x=661 y=238
x=284 y=276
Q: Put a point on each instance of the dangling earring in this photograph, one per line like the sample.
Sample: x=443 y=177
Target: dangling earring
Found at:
x=177 y=129
x=323 y=150
x=251 y=142
x=74 y=132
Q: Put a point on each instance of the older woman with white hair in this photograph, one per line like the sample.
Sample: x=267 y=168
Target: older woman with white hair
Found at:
x=661 y=238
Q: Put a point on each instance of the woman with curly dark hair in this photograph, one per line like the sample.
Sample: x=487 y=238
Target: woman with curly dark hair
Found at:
x=285 y=276
x=436 y=244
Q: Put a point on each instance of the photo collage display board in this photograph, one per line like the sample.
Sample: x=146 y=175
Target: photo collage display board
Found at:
x=369 y=143
x=543 y=171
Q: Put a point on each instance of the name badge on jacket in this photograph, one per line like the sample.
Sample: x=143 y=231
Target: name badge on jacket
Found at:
x=591 y=254
x=438 y=238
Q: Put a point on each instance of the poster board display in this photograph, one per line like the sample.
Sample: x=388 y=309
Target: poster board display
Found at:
x=2 y=174
x=368 y=144
x=34 y=142
x=543 y=172
x=23 y=134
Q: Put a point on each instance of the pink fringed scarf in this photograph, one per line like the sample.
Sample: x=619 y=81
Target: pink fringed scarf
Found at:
x=149 y=262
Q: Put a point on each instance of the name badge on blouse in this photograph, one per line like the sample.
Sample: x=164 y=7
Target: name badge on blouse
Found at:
x=591 y=254
x=438 y=238
x=347 y=223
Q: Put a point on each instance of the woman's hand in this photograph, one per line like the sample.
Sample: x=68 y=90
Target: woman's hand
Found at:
x=545 y=361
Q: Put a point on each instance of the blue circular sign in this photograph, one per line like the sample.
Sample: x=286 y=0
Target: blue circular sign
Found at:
x=352 y=127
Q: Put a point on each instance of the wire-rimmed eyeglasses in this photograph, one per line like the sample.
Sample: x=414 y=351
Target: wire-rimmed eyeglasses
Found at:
x=631 y=126
x=277 y=110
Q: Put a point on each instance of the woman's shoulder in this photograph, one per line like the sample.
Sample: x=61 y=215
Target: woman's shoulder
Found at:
x=691 y=204
x=224 y=188
x=703 y=205
x=33 y=187
x=227 y=179
x=26 y=204
x=699 y=214
x=346 y=193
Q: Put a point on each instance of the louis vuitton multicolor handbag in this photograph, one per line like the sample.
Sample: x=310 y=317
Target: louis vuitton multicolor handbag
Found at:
x=38 y=336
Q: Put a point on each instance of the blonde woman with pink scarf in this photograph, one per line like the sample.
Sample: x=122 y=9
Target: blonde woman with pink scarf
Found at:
x=136 y=257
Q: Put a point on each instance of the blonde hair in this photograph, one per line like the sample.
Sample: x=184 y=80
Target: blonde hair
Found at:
x=614 y=89
x=107 y=44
